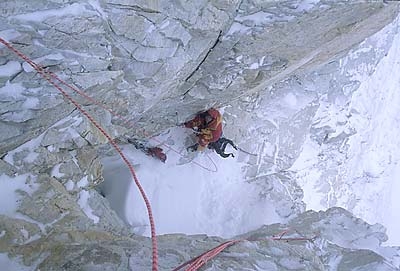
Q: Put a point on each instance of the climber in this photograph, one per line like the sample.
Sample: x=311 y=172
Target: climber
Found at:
x=208 y=127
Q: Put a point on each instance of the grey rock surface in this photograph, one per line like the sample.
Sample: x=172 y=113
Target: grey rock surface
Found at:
x=154 y=61
x=333 y=241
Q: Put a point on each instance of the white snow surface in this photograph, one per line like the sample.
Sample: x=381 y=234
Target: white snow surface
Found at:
x=189 y=199
x=8 y=35
x=69 y=185
x=367 y=182
x=10 y=192
x=83 y=202
x=75 y=9
x=186 y=198
x=10 y=68
x=260 y=18
x=28 y=147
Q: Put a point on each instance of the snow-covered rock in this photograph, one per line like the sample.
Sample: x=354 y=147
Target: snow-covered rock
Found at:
x=293 y=79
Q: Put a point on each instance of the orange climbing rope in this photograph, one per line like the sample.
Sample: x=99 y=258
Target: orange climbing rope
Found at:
x=197 y=262
x=47 y=77
x=125 y=120
x=128 y=122
x=193 y=264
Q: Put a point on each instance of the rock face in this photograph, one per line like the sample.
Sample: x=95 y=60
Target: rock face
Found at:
x=139 y=56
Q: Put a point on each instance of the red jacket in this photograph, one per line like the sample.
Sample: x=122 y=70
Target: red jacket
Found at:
x=209 y=125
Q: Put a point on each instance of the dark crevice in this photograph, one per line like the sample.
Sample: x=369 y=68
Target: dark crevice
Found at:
x=204 y=58
x=15 y=75
x=210 y=50
x=134 y=7
x=20 y=43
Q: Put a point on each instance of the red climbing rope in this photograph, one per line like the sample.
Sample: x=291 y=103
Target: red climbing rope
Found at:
x=125 y=120
x=197 y=262
x=193 y=264
x=94 y=122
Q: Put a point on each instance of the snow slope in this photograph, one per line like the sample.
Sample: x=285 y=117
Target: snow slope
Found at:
x=360 y=174
x=186 y=198
x=367 y=164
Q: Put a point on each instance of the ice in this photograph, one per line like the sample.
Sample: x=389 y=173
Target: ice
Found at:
x=10 y=69
x=83 y=202
x=10 y=188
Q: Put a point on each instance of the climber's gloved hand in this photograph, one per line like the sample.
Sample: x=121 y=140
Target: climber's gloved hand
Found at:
x=192 y=148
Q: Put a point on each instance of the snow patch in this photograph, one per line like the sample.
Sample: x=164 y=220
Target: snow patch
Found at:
x=83 y=202
x=69 y=185
x=96 y=5
x=8 y=35
x=261 y=18
x=186 y=198
x=83 y=182
x=29 y=147
x=55 y=172
x=28 y=68
x=290 y=99
x=254 y=66
x=361 y=175
x=10 y=192
x=39 y=16
x=11 y=91
x=31 y=103
x=306 y=5
x=238 y=28
x=10 y=69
